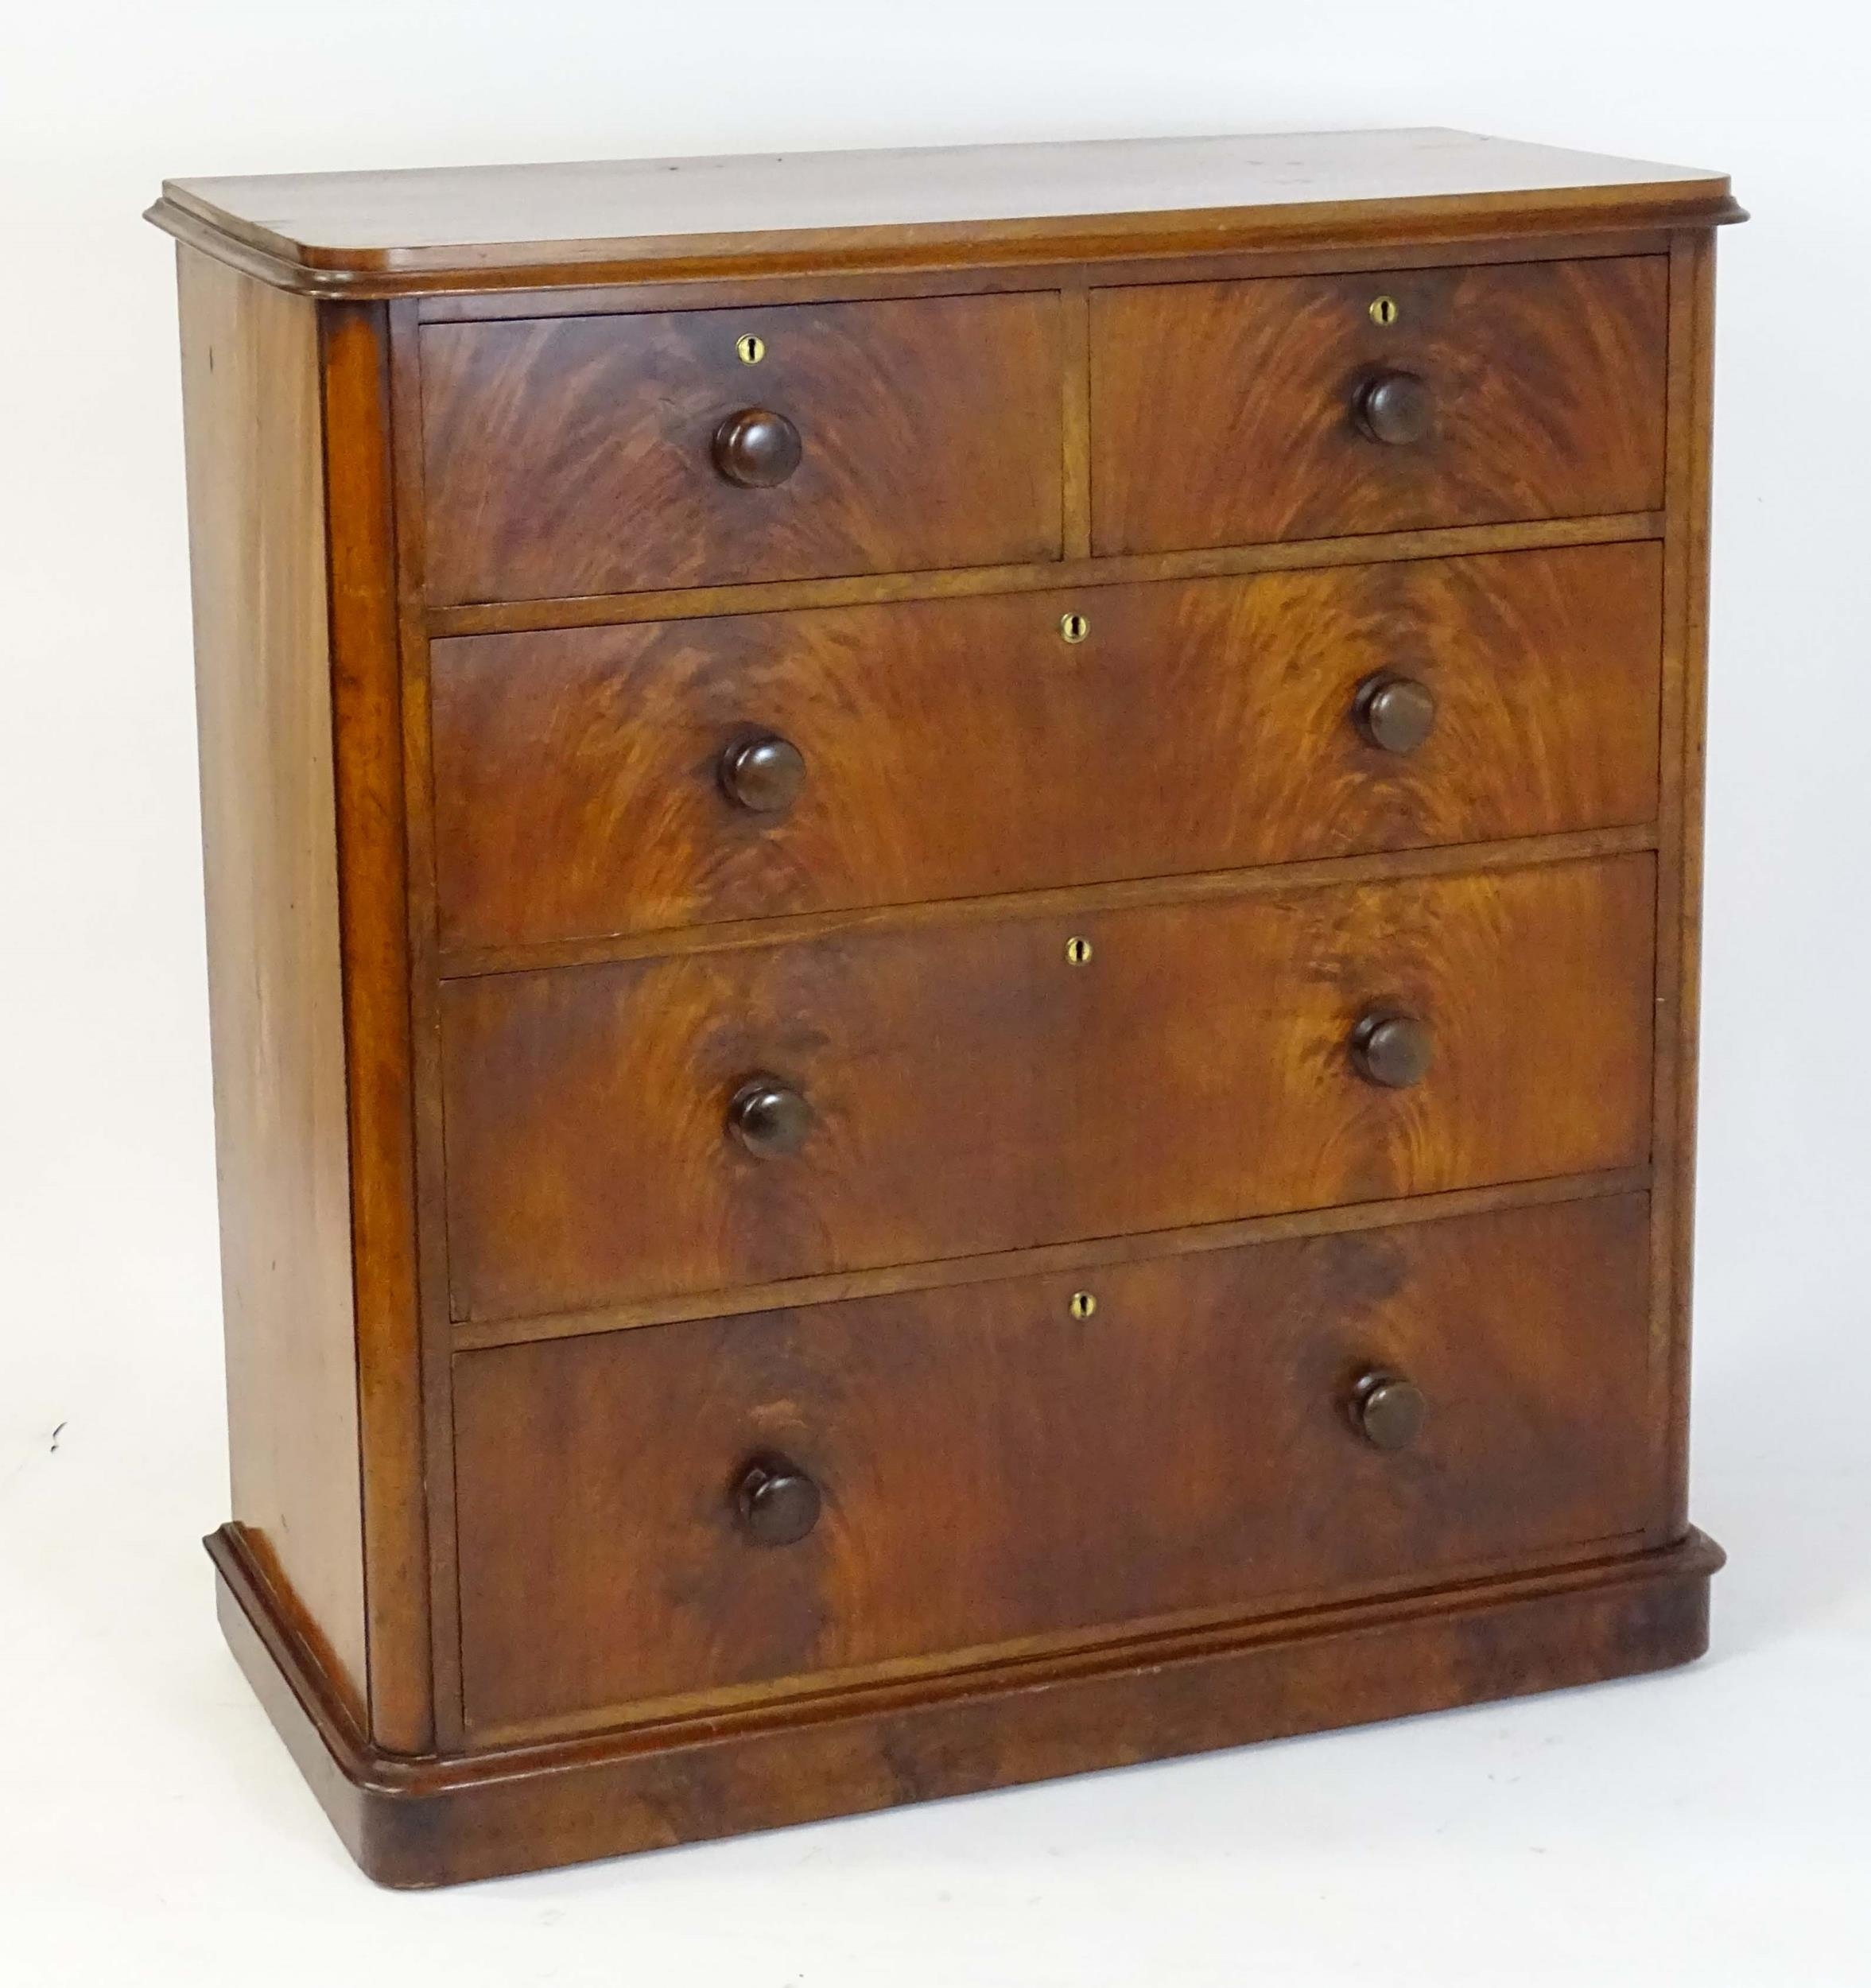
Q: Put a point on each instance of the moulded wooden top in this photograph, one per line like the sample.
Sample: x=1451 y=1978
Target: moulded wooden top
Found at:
x=375 y=233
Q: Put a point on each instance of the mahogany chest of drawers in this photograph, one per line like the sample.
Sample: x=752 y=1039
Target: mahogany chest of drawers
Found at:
x=953 y=952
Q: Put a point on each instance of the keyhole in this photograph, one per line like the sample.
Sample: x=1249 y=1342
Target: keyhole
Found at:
x=1078 y=951
x=1082 y=1305
x=752 y=349
x=1384 y=310
x=1074 y=627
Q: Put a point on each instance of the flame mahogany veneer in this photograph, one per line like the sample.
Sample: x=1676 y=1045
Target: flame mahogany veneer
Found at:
x=952 y=924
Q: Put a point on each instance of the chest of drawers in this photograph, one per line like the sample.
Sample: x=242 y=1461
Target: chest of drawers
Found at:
x=952 y=905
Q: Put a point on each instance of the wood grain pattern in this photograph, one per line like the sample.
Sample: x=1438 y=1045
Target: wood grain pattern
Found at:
x=257 y=551
x=413 y=1823
x=1185 y=1448
x=1222 y=413
x=465 y=228
x=960 y=583
x=979 y=1093
x=961 y=748
x=490 y=958
x=1096 y=1253
x=934 y=914
x=404 y=414
x=366 y=695
x=572 y=456
x=1679 y=893
x=663 y=290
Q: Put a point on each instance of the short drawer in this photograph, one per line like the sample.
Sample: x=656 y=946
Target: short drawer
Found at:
x=623 y=779
x=719 y=1507
x=573 y=455
x=621 y=1131
x=1225 y=413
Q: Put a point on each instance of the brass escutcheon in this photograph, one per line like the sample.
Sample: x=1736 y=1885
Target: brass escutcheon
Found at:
x=1384 y=310
x=1078 y=951
x=1074 y=627
x=1082 y=1305
x=752 y=347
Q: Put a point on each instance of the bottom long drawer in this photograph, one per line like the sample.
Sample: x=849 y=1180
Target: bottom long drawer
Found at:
x=648 y=1515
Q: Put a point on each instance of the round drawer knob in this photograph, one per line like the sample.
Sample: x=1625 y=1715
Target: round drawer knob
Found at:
x=777 y=1503
x=1394 y=713
x=762 y=775
x=770 y=1119
x=757 y=448
x=1395 y=408
x=1390 y=1049
x=1388 y=1411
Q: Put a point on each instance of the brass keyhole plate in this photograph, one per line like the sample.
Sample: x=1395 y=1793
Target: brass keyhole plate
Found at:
x=1074 y=627
x=752 y=347
x=1384 y=310
x=1078 y=951
x=1082 y=1304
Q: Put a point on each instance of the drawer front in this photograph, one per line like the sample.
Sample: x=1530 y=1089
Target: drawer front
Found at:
x=588 y=455
x=969 y=1088
x=586 y=781
x=989 y=1468
x=1225 y=413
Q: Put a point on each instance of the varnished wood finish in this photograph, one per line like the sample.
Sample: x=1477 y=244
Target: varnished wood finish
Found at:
x=897 y=847
x=366 y=695
x=467 y=228
x=1201 y=886
x=257 y=546
x=961 y=748
x=683 y=289
x=1147 y=1698
x=1093 y=1253
x=437 y=1438
x=1064 y=1472
x=309 y=974
x=696 y=603
x=1226 y=412
x=984 y=1093
x=1692 y=388
x=577 y=455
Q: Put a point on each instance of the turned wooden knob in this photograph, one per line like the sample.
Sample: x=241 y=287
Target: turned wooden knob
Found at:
x=1394 y=713
x=1388 y=1411
x=770 y=1119
x=777 y=1503
x=1391 y=1050
x=757 y=448
x=763 y=774
x=1395 y=408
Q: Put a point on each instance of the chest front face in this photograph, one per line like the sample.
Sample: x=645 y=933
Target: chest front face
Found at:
x=1013 y=970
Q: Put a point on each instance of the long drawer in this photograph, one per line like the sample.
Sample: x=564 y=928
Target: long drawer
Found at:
x=623 y=779
x=697 y=1508
x=690 y=1123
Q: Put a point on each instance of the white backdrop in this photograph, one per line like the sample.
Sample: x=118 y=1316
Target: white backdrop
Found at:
x=1708 y=1826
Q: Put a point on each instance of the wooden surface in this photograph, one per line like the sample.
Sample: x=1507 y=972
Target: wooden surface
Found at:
x=1201 y=726
x=1090 y=1254
x=416 y=1823
x=399 y=406
x=366 y=696
x=484 y=679
x=257 y=551
x=459 y=226
x=1679 y=892
x=977 y=1092
x=572 y=456
x=965 y=583
x=993 y=1470
x=1222 y=413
